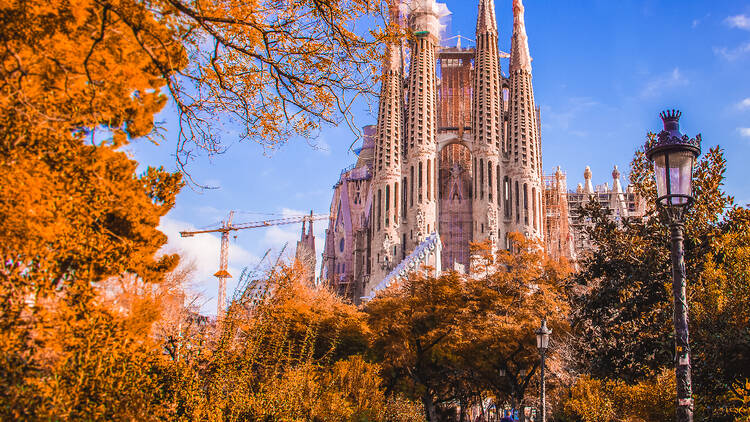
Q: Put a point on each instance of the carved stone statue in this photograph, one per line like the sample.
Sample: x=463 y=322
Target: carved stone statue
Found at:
x=387 y=251
x=492 y=225
x=421 y=229
x=455 y=183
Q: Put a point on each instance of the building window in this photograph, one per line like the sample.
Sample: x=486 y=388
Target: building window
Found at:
x=419 y=181
x=533 y=206
x=429 y=184
x=341 y=245
x=387 y=204
x=474 y=174
x=395 y=203
x=497 y=178
x=481 y=179
x=525 y=203
x=518 y=208
x=404 y=200
x=411 y=187
x=489 y=180
x=380 y=207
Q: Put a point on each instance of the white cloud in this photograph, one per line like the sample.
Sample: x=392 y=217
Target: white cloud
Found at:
x=575 y=108
x=744 y=104
x=732 y=54
x=659 y=84
x=321 y=146
x=203 y=250
x=744 y=131
x=696 y=22
x=739 y=21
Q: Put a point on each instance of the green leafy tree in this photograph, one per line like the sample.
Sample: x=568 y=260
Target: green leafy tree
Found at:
x=623 y=316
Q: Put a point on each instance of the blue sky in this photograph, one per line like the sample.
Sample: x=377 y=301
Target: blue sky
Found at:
x=603 y=70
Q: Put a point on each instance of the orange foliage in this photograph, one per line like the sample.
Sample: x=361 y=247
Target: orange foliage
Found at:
x=276 y=69
x=450 y=337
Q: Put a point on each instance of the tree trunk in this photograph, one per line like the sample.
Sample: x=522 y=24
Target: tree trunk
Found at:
x=429 y=407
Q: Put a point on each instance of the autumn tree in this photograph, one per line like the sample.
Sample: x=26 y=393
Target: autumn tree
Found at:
x=82 y=78
x=460 y=338
x=595 y=400
x=285 y=351
x=267 y=69
x=509 y=294
x=414 y=332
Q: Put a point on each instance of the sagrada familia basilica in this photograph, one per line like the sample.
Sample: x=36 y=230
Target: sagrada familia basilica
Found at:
x=455 y=158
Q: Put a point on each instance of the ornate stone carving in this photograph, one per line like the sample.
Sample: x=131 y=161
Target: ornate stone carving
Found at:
x=492 y=224
x=421 y=228
x=455 y=183
x=387 y=251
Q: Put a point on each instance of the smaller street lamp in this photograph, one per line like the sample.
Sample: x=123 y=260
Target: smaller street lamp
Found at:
x=674 y=155
x=542 y=343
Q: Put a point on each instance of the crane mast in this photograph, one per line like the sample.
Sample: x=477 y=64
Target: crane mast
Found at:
x=226 y=227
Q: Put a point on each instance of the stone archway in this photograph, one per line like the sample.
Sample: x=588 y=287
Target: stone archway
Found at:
x=455 y=201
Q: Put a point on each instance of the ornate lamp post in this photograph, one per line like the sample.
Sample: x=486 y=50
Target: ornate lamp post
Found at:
x=674 y=155
x=542 y=343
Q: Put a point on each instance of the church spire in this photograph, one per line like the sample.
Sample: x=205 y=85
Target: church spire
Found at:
x=520 y=58
x=487 y=126
x=525 y=153
x=386 y=192
x=390 y=113
x=486 y=21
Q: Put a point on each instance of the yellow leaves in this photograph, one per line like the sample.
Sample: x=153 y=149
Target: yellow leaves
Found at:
x=594 y=400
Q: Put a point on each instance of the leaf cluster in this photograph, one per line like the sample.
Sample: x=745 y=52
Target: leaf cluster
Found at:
x=460 y=338
x=623 y=309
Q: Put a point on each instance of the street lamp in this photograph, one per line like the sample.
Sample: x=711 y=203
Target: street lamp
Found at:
x=674 y=155
x=542 y=343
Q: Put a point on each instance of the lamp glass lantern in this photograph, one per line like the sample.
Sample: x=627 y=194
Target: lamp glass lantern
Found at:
x=542 y=336
x=674 y=156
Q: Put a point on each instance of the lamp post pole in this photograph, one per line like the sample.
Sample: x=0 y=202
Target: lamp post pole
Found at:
x=542 y=343
x=542 y=393
x=682 y=341
x=674 y=155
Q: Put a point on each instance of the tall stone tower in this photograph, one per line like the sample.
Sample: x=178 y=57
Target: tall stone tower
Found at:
x=524 y=175
x=487 y=126
x=421 y=125
x=305 y=252
x=386 y=189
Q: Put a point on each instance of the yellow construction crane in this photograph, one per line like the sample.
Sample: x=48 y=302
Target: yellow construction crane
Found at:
x=226 y=227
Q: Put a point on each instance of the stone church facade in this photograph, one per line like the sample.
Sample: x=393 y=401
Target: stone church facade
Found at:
x=455 y=157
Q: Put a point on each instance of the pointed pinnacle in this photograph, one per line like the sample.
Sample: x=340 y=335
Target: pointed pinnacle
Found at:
x=486 y=20
x=520 y=58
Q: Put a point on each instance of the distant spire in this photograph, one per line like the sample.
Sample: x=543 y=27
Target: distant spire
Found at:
x=520 y=58
x=589 y=187
x=310 y=228
x=486 y=21
x=616 y=187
